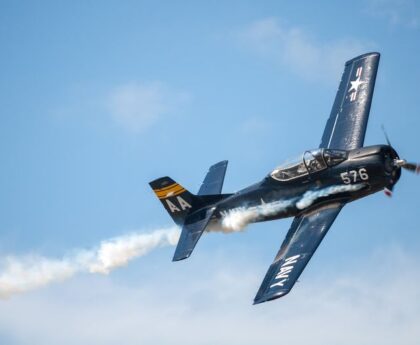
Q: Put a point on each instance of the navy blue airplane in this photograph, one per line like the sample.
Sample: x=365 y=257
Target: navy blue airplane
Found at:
x=313 y=189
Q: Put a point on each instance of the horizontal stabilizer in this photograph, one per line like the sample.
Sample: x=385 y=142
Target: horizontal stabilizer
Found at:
x=190 y=234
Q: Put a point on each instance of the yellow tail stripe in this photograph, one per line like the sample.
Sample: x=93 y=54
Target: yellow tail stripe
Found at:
x=167 y=187
x=168 y=195
x=175 y=190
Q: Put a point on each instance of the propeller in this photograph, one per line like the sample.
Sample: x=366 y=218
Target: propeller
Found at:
x=400 y=163
x=413 y=167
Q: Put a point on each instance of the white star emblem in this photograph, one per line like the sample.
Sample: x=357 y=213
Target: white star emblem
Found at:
x=355 y=84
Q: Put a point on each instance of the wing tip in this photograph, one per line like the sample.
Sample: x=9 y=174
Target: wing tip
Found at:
x=363 y=56
x=219 y=164
x=175 y=259
x=181 y=255
x=161 y=182
x=270 y=297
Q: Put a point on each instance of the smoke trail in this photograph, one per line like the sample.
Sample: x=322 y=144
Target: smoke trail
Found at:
x=19 y=274
x=310 y=196
x=237 y=219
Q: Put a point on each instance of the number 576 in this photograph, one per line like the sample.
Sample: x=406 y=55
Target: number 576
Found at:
x=351 y=176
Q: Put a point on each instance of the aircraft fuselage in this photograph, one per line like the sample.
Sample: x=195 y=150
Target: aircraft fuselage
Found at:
x=366 y=170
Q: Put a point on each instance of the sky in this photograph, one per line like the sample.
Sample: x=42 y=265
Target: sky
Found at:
x=97 y=98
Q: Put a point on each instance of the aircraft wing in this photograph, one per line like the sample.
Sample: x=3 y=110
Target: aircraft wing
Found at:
x=190 y=234
x=303 y=238
x=346 y=126
x=213 y=182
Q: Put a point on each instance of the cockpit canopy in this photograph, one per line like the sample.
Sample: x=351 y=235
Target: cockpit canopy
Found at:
x=311 y=162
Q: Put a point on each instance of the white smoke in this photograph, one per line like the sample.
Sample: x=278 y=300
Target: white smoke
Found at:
x=238 y=218
x=23 y=273
x=19 y=274
x=310 y=196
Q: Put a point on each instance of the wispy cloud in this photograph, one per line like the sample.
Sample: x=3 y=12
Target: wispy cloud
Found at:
x=403 y=13
x=138 y=106
x=254 y=126
x=309 y=57
x=376 y=301
x=134 y=106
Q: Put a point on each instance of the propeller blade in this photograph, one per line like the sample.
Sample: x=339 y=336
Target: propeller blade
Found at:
x=386 y=135
x=413 y=167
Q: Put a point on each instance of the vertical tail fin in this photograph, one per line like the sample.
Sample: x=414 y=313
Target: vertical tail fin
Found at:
x=177 y=201
x=192 y=212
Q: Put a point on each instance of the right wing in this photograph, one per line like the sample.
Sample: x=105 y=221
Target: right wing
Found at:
x=213 y=182
x=346 y=126
x=303 y=238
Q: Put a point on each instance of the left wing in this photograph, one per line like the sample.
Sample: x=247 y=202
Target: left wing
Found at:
x=303 y=238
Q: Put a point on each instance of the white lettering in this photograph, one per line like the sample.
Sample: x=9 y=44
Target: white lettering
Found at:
x=184 y=205
x=284 y=272
x=285 y=269
x=291 y=260
x=172 y=207
x=280 y=283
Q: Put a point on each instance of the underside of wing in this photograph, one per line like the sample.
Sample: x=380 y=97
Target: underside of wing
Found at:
x=213 y=182
x=303 y=238
x=346 y=126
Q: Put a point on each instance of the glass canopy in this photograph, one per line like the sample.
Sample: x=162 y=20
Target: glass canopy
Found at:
x=311 y=162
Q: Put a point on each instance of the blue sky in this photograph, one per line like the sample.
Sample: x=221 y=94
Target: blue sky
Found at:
x=99 y=98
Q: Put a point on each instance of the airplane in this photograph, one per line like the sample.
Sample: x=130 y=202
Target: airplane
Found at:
x=312 y=189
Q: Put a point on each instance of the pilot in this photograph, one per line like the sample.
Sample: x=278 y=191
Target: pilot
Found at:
x=315 y=164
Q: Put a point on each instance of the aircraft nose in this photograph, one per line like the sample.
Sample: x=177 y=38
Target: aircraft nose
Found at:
x=393 y=170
